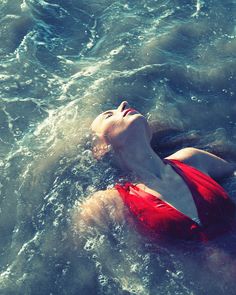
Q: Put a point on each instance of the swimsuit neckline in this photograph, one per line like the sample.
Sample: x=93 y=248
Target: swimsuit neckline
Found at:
x=216 y=211
x=129 y=184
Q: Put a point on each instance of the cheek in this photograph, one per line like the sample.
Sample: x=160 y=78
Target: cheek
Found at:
x=116 y=134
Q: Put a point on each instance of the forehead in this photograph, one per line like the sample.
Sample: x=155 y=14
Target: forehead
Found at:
x=97 y=122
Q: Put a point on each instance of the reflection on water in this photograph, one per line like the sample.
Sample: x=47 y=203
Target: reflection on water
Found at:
x=62 y=62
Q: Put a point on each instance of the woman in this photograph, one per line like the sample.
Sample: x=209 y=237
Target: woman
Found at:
x=171 y=198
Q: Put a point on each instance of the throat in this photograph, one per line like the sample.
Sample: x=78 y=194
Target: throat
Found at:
x=146 y=166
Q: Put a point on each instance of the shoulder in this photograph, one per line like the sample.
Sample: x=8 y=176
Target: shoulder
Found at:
x=189 y=155
x=98 y=210
x=102 y=198
x=204 y=161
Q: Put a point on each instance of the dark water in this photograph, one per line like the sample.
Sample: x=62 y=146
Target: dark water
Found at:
x=61 y=63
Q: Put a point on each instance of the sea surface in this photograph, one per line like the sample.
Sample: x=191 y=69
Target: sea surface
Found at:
x=62 y=62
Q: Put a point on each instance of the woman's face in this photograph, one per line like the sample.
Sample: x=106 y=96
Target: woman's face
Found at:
x=118 y=126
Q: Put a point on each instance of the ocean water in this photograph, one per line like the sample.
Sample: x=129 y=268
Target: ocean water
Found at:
x=61 y=63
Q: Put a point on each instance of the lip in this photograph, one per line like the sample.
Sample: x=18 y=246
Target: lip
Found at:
x=128 y=111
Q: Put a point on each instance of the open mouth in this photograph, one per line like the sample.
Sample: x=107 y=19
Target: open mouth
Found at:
x=128 y=111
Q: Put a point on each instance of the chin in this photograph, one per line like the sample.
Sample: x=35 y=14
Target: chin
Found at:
x=138 y=119
x=139 y=124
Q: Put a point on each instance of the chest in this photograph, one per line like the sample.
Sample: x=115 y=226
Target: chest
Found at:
x=173 y=190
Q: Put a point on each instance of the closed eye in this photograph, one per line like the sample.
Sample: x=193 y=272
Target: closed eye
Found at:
x=108 y=114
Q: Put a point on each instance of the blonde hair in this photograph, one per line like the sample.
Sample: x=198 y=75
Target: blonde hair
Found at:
x=98 y=146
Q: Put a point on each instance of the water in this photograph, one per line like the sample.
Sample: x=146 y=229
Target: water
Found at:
x=62 y=62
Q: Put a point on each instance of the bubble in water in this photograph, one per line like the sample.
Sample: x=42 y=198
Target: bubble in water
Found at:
x=178 y=274
x=134 y=267
x=7 y=165
x=89 y=245
x=64 y=271
x=113 y=52
x=117 y=50
x=28 y=82
x=126 y=6
x=194 y=98
x=140 y=37
x=103 y=280
x=89 y=45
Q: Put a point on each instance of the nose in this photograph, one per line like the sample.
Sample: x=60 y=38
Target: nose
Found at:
x=123 y=106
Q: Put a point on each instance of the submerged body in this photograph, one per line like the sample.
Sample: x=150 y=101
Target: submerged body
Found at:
x=171 y=184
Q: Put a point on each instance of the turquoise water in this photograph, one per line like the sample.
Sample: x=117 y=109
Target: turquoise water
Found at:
x=61 y=63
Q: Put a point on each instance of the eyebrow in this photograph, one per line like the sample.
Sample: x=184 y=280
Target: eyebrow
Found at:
x=107 y=112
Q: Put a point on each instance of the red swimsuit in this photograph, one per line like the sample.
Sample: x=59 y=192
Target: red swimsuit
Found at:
x=157 y=218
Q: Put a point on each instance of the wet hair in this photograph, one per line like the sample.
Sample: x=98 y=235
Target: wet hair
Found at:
x=98 y=147
x=166 y=140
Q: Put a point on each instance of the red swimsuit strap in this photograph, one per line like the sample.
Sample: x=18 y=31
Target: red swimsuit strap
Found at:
x=155 y=216
x=212 y=201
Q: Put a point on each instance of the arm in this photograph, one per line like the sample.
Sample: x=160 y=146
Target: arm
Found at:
x=107 y=246
x=99 y=210
x=214 y=166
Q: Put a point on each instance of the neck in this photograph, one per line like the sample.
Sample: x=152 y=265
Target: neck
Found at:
x=141 y=160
